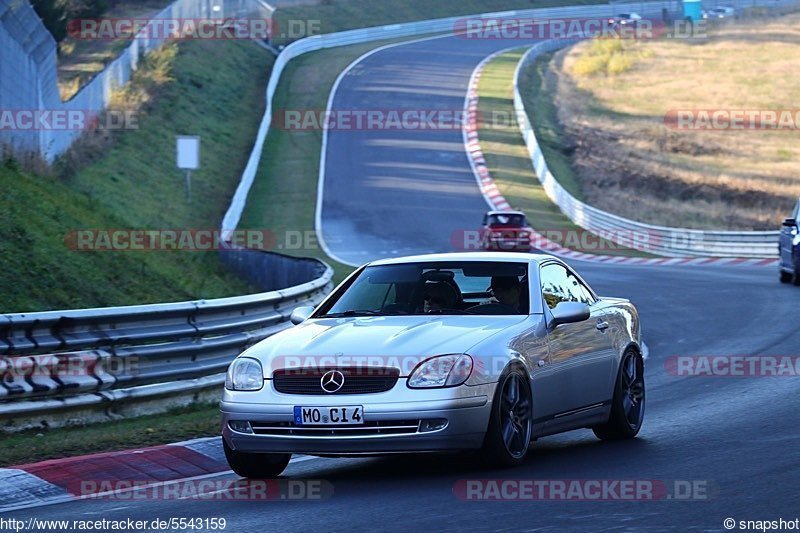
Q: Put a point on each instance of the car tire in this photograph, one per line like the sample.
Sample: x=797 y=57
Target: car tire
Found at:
x=512 y=407
x=256 y=465
x=797 y=276
x=627 y=407
x=786 y=277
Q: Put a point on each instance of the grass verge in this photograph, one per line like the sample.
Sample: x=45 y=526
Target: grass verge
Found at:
x=184 y=423
x=633 y=158
x=213 y=89
x=608 y=56
x=510 y=166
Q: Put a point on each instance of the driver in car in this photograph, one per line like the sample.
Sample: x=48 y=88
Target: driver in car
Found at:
x=438 y=296
x=506 y=290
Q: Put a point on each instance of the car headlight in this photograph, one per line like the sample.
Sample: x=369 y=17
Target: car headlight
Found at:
x=441 y=371
x=244 y=374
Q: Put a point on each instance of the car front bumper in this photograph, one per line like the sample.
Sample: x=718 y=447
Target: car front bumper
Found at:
x=466 y=410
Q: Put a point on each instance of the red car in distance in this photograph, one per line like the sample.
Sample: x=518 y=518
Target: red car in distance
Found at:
x=506 y=231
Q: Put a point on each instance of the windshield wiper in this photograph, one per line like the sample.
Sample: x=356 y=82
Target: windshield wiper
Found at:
x=352 y=312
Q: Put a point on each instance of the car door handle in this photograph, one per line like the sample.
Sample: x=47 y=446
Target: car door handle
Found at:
x=602 y=326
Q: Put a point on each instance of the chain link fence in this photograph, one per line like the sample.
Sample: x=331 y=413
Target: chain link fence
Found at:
x=29 y=76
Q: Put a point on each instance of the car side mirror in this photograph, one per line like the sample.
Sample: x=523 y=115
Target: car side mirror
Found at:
x=569 y=312
x=301 y=314
x=790 y=222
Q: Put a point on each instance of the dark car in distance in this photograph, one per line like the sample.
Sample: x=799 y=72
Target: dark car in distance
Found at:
x=789 y=248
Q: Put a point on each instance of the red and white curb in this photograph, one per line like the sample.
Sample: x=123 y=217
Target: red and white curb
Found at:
x=62 y=480
x=486 y=183
x=113 y=473
x=496 y=201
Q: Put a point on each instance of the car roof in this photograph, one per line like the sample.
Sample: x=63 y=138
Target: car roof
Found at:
x=505 y=213
x=499 y=257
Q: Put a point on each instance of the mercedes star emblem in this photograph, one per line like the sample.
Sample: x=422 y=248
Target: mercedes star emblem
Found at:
x=331 y=381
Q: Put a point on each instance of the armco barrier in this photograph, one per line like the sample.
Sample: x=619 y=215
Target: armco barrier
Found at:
x=667 y=241
x=96 y=363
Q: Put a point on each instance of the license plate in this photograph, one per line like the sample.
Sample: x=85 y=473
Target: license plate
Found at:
x=349 y=415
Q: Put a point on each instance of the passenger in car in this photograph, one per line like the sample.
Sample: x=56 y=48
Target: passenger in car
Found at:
x=506 y=290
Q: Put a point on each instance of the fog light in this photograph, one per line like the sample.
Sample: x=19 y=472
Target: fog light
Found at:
x=240 y=426
x=434 y=424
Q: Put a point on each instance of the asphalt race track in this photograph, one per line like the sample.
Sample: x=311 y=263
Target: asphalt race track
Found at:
x=394 y=193
x=400 y=192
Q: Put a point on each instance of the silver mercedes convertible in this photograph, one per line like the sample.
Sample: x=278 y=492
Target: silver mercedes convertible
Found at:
x=447 y=352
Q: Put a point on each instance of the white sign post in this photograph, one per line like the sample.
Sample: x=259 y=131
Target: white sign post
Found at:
x=188 y=158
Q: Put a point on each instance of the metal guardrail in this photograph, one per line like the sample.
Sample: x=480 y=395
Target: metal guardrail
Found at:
x=667 y=241
x=54 y=362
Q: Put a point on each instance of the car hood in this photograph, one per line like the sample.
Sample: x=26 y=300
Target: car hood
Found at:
x=396 y=341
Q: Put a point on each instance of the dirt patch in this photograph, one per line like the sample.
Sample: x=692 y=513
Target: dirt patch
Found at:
x=629 y=161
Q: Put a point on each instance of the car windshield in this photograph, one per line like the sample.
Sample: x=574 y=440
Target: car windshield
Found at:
x=451 y=288
x=507 y=220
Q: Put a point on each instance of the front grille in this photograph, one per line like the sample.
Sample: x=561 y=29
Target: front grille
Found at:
x=383 y=427
x=356 y=381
